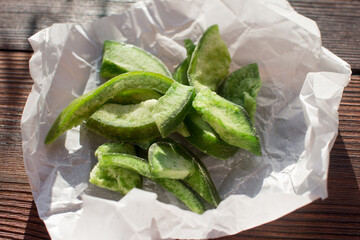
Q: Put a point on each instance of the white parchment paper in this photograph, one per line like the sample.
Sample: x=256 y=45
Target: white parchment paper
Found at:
x=297 y=120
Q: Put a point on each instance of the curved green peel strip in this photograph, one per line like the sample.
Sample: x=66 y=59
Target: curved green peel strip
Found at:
x=115 y=148
x=114 y=178
x=242 y=86
x=83 y=107
x=210 y=61
x=228 y=119
x=125 y=122
x=172 y=108
x=180 y=73
x=167 y=160
x=204 y=138
x=198 y=178
x=134 y=96
x=120 y=58
x=201 y=182
x=138 y=165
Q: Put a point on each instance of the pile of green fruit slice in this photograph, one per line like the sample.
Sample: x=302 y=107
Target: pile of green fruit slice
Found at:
x=143 y=105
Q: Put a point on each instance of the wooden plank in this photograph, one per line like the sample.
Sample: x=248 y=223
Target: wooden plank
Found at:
x=337 y=20
x=337 y=217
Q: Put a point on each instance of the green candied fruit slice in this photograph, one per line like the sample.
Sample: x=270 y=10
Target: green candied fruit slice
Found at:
x=134 y=96
x=145 y=143
x=201 y=182
x=228 y=119
x=120 y=58
x=172 y=108
x=167 y=160
x=180 y=73
x=183 y=130
x=210 y=61
x=242 y=86
x=114 y=178
x=138 y=165
x=250 y=105
x=204 y=138
x=125 y=122
x=83 y=107
x=113 y=147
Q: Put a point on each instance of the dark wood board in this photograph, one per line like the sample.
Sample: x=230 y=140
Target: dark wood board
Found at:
x=339 y=21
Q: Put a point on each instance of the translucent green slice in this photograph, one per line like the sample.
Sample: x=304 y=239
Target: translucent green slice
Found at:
x=167 y=160
x=210 y=61
x=228 y=119
x=242 y=86
x=125 y=122
x=180 y=73
x=83 y=107
x=112 y=177
x=138 y=165
x=120 y=58
x=204 y=138
x=171 y=109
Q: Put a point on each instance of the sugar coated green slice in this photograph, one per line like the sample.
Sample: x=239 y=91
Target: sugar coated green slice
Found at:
x=114 y=147
x=229 y=120
x=115 y=179
x=171 y=109
x=83 y=107
x=120 y=57
x=138 y=165
x=112 y=177
x=210 y=61
x=167 y=160
x=125 y=122
x=242 y=86
x=204 y=138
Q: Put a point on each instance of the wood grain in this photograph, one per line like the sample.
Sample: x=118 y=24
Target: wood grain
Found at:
x=337 y=20
x=337 y=217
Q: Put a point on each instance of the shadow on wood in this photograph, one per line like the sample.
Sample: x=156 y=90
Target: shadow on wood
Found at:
x=35 y=227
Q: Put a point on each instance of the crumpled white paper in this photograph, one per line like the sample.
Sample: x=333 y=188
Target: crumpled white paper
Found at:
x=297 y=120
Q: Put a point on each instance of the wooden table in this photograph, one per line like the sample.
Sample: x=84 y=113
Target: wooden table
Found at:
x=337 y=217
